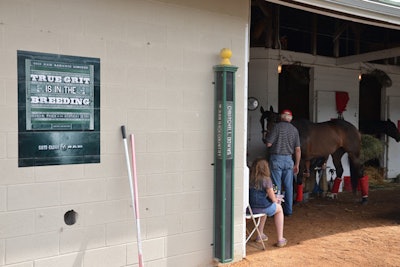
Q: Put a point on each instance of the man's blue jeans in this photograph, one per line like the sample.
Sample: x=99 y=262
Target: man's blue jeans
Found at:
x=282 y=174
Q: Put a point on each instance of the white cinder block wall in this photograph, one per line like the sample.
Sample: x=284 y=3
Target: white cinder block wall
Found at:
x=157 y=61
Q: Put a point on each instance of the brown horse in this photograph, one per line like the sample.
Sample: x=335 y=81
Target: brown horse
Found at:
x=319 y=140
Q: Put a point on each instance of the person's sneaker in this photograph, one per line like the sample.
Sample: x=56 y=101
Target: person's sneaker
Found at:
x=281 y=243
x=263 y=238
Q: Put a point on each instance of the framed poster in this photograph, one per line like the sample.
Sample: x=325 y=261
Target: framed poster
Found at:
x=58 y=109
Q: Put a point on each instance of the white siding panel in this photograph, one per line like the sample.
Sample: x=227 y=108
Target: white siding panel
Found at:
x=393 y=161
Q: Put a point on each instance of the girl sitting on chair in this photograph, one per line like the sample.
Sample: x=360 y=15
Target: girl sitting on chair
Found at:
x=262 y=199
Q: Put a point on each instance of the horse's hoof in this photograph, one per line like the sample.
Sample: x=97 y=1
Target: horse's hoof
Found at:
x=364 y=200
x=332 y=195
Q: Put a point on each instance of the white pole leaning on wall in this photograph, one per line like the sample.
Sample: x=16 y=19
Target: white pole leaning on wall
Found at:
x=134 y=188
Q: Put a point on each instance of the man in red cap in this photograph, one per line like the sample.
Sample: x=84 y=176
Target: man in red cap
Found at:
x=284 y=141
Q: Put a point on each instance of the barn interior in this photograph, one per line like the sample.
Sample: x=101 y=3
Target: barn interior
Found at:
x=348 y=38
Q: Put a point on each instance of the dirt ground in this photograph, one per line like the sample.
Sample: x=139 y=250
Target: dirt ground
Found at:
x=336 y=232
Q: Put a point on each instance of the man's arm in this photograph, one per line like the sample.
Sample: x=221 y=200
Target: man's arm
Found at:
x=297 y=160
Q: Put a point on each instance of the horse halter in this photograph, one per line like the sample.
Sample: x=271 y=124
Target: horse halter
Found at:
x=264 y=135
x=264 y=130
x=267 y=122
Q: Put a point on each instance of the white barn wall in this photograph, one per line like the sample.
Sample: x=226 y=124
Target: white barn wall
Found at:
x=157 y=61
x=393 y=113
x=258 y=84
x=263 y=85
x=393 y=151
x=332 y=79
x=393 y=90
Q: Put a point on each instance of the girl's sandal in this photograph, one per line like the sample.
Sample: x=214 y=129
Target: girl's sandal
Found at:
x=263 y=238
x=281 y=243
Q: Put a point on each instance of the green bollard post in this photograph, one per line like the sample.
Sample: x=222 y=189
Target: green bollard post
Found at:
x=224 y=140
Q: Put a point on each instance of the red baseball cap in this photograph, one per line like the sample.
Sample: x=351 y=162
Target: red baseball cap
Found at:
x=286 y=112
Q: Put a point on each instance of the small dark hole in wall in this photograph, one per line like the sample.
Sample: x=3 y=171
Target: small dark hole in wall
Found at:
x=70 y=217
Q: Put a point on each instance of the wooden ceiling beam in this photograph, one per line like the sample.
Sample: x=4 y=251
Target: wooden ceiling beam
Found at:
x=371 y=56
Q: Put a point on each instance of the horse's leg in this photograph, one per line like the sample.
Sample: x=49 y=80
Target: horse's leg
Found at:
x=356 y=170
x=319 y=165
x=307 y=168
x=308 y=183
x=337 y=161
x=311 y=184
x=323 y=183
x=357 y=176
x=300 y=180
x=304 y=173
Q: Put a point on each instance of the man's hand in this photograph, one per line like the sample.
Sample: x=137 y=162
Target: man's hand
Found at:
x=296 y=169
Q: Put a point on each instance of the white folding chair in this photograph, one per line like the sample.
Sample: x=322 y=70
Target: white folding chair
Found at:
x=255 y=218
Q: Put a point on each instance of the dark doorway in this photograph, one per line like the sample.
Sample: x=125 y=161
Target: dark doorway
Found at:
x=370 y=111
x=294 y=82
x=370 y=101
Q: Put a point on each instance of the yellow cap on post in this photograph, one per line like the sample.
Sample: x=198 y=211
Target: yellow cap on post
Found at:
x=225 y=54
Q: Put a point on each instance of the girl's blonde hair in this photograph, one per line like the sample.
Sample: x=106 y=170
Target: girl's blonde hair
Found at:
x=258 y=171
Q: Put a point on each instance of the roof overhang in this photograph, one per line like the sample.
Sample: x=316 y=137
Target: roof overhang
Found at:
x=382 y=13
